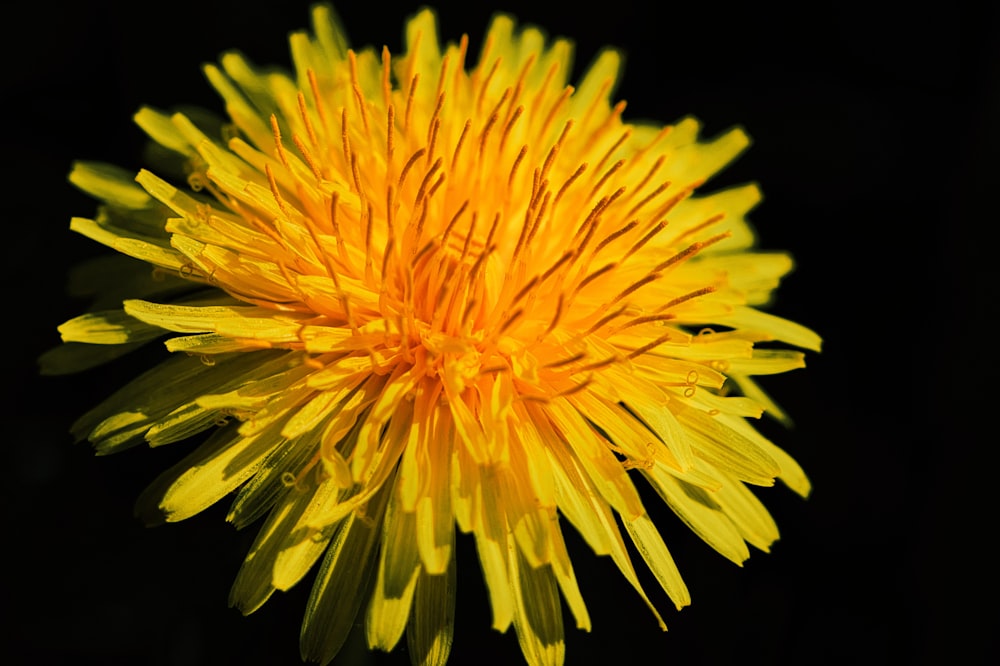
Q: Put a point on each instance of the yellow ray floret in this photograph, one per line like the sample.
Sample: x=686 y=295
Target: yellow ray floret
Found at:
x=413 y=293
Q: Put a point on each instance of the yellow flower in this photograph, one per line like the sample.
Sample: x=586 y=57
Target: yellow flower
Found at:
x=413 y=295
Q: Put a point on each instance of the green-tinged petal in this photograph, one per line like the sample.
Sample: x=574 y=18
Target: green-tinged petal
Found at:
x=492 y=537
x=117 y=239
x=213 y=470
x=183 y=422
x=342 y=583
x=254 y=583
x=125 y=417
x=562 y=568
x=72 y=357
x=392 y=595
x=435 y=522
x=538 y=616
x=232 y=321
x=431 y=628
x=701 y=512
x=279 y=472
x=303 y=545
x=109 y=183
x=110 y=327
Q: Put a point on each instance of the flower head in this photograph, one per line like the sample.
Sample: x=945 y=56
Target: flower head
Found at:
x=407 y=294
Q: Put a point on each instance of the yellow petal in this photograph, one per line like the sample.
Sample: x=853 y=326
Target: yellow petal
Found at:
x=650 y=545
x=701 y=512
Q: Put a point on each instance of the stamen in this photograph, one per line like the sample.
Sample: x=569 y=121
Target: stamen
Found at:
x=480 y=261
x=356 y=172
x=569 y=181
x=313 y=165
x=566 y=361
x=652 y=195
x=691 y=250
x=278 y=148
x=408 y=113
x=344 y=138
x=274 y=192
x=554 y=150
x=504 y=96
x=317 y=98
x=560 y=303
x=517 y=163
x=704 y=225
x=607 y=174
x=390 y=127
x=390 y=212
x=486 y=133
x=442 y=74
x=591 y=367
x=358 y=95
x=334 y=226
x=576 y=389
x=606 y=319
x=524 y=290
x=461 y=141
x=422 y=190
x=686 y=297
x=434 y=188
x=657 y=228
x=537 y=223
x=638 y=284
x=386 y=77
x=468 y=239
x=409 y=164
x=611 y=151
x=463 y=48
x=650 y=346
x=649 y=174
x=369 y=225
x=481 y=95
x=510 y=320
x=521 y=77
x=567 y=255
x=433 y=126
x=674 y=200
x=454 y=220
x=560 y=101
x=596 y=274
x=304 y=114
x=646 y=320
x=611 y=237
x=611 y=119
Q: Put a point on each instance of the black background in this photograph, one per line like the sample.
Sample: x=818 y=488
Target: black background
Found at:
x=875 y=141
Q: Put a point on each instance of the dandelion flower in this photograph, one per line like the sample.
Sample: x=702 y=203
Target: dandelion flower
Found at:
x=405 y=295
